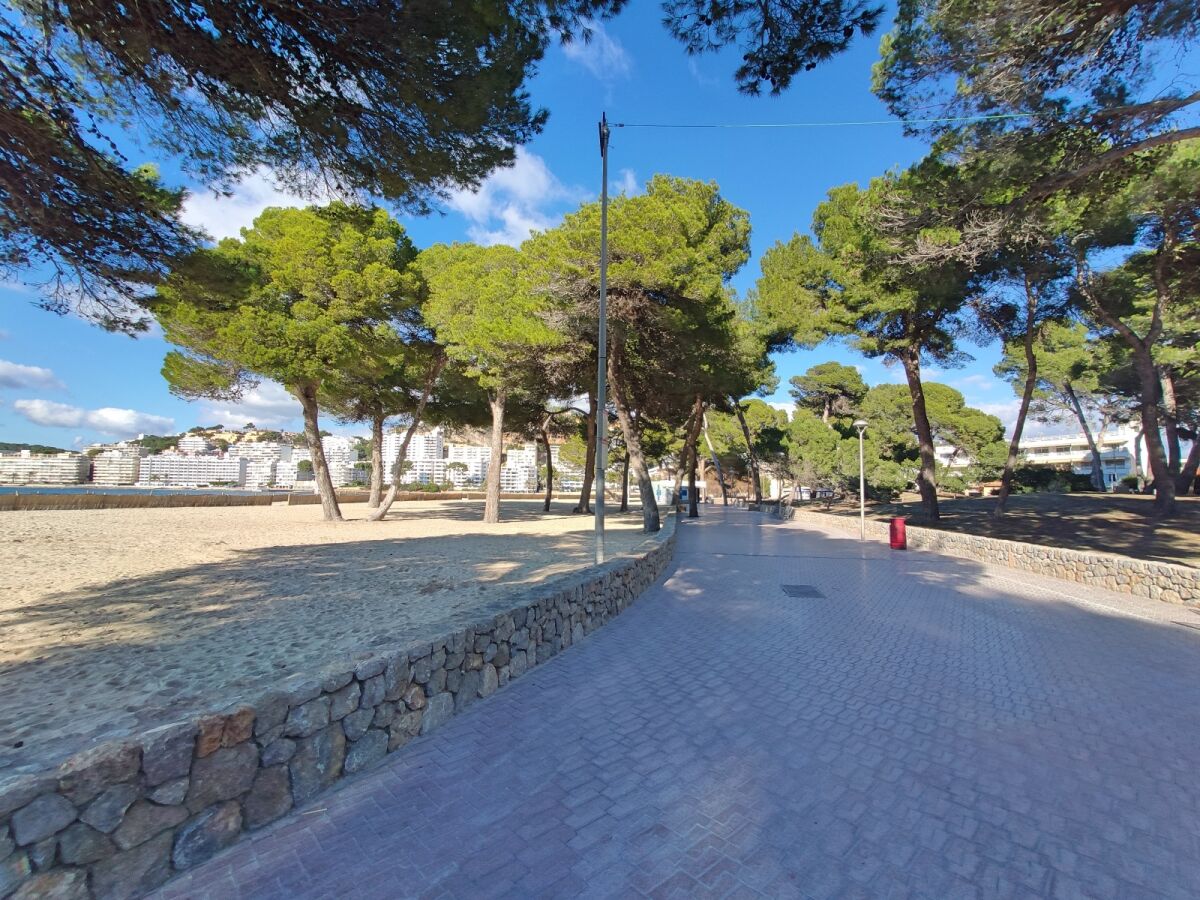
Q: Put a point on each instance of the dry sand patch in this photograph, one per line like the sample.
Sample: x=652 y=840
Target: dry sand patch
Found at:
x=113 y=620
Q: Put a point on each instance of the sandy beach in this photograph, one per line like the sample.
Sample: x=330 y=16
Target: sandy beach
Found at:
x=116 y=620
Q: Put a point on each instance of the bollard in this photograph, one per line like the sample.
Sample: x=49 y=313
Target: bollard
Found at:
x=898 y=539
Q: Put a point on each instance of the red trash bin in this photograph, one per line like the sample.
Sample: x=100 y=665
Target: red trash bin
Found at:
x=898 y=539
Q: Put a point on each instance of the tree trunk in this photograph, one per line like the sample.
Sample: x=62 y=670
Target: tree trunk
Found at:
x=927 y=477
x=755 y=474
x=549 y=465
x=625 y=483
x=1014 y=446
x=307 y=394
x=589 y=462
x=491 y=505
x=693 y=504
x=633 y=446
x=1186 y=481
x=689 y=433
x=401 y=455
x=716 y=464
x=376 y=461
x=1097 y=464
x=1164 y=484
x=1170 y=419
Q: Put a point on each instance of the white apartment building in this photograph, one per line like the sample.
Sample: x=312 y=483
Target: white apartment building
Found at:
x=263 y=459
x=194 y=443
x=183 y=470
x=1118 y=450
x=116 y=467
x=520 y=470
x=28 y=468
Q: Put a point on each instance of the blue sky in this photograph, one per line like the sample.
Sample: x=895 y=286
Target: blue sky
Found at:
x=64 y=382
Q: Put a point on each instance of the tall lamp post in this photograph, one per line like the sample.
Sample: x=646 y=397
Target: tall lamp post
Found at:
x=602 y=347
x=861 y=425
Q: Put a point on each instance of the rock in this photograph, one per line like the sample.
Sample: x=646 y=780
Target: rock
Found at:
x=518 y=664
x=64 y=884
x=344 y=701
x=224 y=775
x=17 y=792
x=144 y=821
x=454 y=680
x=334 y=681
x=414 y=697
x=502 y=657
x=384 y=713
x=239 y=726
x=317 y=763
x=368 y=749
x=210 y=731
x=269 y=798
x=396 y=677
x=278 y=751
x=489 y=652
x=7 y=844
x=576 y=633
x=491 y=681
x=356 y=724
x=437 y=682
x=45 y=816
x=440 y=708
x=422 y=669
x=135 y=873
x=105 y=812
x=369 y=668
x=468 y=691
x=206 y=833
x=403 y=729
x=272 y=709
x=86 y=774
x=41 y=854
x=307 y=719
x=372 y=692
x=81 y=844
x=13 y=871
x=300 y=689
x=167 y=752
x=170 y=793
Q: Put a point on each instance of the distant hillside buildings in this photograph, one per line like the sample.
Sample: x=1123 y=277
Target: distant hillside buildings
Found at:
x=238 y=460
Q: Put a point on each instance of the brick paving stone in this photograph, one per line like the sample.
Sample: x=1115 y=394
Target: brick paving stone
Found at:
x=930 y=727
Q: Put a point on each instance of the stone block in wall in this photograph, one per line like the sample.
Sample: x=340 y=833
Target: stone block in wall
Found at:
x=206 y=833
x=269 y=798
x=368 y=749
x=40 y=818
x=145 y=821
x=224 y=775
x=106 y=811
x=86 y=774
x=167 y=752
x=438 y=711
x=134 y=873
x=317 y=762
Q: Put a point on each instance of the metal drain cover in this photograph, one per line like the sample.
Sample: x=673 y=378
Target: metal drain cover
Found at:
x=801 y=590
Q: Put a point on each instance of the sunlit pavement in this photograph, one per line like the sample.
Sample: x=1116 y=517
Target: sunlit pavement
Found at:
x=924 y=727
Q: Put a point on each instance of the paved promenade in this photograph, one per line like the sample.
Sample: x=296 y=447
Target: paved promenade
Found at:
x=924 y=727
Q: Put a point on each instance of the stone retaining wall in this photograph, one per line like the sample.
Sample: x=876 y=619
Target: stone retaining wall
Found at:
x=1158 y=581
x=39 y=502
x=119 y=819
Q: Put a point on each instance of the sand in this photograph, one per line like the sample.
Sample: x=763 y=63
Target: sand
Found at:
x=112 y=621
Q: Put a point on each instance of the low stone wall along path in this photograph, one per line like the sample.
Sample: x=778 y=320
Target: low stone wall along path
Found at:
x=893 y=725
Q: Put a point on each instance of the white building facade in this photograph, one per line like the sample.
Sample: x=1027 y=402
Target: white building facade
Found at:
x=183 y=470
x=29 y=468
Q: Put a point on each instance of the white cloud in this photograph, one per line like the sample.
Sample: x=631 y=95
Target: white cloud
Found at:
x=107 y=420
x=268 y=406
x=4 y=335
x=982 y=382
x=15 y=375
x=222 y=217
x=599 y=53
x=701 y=79
x=627 y=184
x=786 y=407
x=510 y=204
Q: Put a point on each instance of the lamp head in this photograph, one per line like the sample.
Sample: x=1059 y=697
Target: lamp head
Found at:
x=861 y=425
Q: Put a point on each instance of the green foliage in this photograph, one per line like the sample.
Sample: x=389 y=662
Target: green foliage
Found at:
x=7 y=447
x=302 y=295
x=778 y=39
x=399 y=101
x=158 y=443
x=479 y=311
x=830 y=390
x=304 y=466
